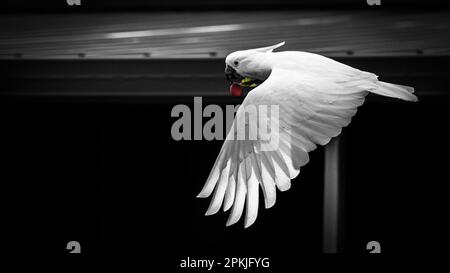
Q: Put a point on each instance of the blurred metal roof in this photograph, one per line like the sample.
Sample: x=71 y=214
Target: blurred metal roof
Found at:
x=215 y=34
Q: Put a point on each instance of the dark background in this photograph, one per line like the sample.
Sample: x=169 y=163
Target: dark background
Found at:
x=84 y=160
x=108 y=5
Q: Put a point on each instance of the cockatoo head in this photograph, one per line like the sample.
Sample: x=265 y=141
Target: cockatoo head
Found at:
x=248 y=68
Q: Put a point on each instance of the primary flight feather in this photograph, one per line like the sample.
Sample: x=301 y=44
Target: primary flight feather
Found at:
x=316 y=97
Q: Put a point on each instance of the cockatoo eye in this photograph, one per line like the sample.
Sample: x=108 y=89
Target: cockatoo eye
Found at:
x=236 y=63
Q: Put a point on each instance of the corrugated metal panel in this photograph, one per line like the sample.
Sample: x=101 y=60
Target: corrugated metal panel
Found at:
x=206 y=34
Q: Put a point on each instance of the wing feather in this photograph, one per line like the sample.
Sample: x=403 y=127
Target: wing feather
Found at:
x=241 y=192
x=267 y=180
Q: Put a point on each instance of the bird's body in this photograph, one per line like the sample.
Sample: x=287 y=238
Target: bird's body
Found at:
x=315 y=96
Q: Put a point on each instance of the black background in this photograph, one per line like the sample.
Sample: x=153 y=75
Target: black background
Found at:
x=121 y=5
x=111 y=177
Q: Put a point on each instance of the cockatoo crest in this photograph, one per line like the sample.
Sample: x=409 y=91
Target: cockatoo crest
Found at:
x=268 y=48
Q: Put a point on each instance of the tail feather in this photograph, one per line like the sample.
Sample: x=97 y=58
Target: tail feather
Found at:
x=395 y=91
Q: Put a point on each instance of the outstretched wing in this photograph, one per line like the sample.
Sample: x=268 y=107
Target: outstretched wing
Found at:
x=312 y=110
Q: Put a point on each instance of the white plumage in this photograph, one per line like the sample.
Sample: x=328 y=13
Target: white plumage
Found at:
x=317 y=96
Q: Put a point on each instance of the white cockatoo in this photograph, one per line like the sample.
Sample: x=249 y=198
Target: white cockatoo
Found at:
x=316 y=97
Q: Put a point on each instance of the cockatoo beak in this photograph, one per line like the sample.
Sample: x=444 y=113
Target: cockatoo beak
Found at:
x=232 y=75
x=234 y=78
x=238 y=82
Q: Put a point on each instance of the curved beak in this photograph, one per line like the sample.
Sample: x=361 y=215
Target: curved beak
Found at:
x=231 y=74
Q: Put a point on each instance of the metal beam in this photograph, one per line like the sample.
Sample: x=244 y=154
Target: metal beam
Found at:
x=331 y=201
x=155 y=79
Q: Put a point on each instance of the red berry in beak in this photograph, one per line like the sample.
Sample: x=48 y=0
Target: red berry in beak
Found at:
x=236 y=90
